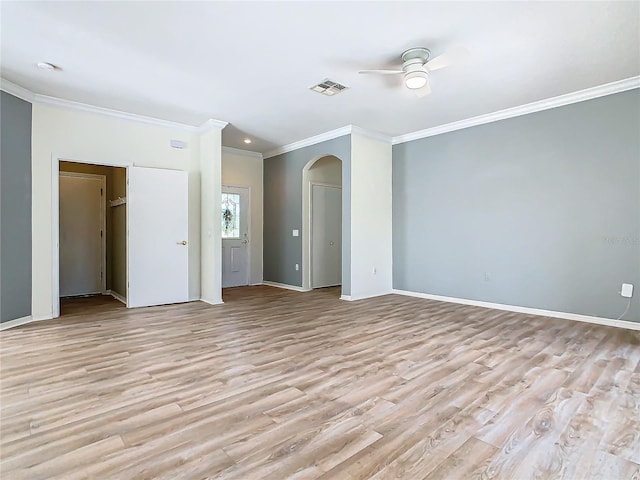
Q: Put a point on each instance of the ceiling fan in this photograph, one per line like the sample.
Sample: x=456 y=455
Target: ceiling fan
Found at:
x=416 y=67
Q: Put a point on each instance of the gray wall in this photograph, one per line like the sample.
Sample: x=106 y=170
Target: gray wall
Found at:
x=541 y=210
x=15 y=206
x=283 y=211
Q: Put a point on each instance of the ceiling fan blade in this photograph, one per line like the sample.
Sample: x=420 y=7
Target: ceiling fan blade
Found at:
x=424 y=91
x=455 y=55
x=382 y=72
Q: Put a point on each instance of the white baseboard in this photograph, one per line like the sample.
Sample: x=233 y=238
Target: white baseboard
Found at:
x=22 y=321
x=209 y=302
x=368 y=295
x=531 y=311
x=287 y=287
x=346 y=297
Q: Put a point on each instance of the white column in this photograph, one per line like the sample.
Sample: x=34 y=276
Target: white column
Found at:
x=371 y=216
x=210 y=212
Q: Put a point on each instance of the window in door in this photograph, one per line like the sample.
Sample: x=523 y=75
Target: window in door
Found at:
x=230 y=215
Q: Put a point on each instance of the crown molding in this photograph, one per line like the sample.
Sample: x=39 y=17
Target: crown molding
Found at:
x=209 y=125
x=36 y=98
x=330 y=135
x=16 y=90
x=381 y=137
x=107 y=112
x=239 y=151
x=549 y=103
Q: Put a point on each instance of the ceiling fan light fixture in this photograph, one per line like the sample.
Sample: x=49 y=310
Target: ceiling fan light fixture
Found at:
x=416 y=80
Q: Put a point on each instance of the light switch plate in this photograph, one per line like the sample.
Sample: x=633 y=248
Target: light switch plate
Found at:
x=296 y=233
x=626 y=290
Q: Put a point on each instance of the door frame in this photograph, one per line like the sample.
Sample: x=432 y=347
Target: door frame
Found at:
x=326 y=185
x=103 y=221
x=249 y=229
x=55 y=219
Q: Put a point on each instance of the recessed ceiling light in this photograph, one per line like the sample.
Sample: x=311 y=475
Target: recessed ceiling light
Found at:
x=46 y=66
x=247 y=141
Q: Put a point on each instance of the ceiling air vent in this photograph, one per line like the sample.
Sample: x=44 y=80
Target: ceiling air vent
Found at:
x=328 y=87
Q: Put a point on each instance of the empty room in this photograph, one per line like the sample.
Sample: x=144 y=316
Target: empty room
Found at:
x=320 y=240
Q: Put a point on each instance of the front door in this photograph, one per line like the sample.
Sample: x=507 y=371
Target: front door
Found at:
x=235 y=236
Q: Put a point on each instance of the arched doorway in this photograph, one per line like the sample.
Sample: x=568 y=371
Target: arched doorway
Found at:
x=322 y=223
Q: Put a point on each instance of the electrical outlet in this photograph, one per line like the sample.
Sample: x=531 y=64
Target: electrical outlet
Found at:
x=374 y=271
x=297 y=267
x=487 y=276
x=626 y=290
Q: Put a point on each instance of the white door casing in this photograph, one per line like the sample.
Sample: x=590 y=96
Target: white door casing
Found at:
x=157 y=225
x=326 y=235
x=235 y=240
x=82 y=234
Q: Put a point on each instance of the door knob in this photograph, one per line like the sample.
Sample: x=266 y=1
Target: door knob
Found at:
x=183 y=242
x=331 y=244
x=245 y=241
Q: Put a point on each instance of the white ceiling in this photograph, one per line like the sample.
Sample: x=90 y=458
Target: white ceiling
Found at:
x=251 y=63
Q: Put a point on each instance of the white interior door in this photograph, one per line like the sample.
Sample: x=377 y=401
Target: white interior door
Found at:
x=326 y=236
x=82 y=235
x=158 y=251
x=235 y=236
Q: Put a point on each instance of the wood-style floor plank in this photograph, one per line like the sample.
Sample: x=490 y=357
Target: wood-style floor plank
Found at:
x=275 y=384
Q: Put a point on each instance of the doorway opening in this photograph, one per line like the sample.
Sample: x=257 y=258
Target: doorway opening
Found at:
x=322 y=224
x=92 y=235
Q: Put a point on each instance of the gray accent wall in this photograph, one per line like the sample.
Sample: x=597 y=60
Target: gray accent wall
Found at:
x=15 y=206
x=540 y=211
x=283 y=211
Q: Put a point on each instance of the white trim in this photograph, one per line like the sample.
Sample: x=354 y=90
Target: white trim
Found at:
x=83 y=107
x=530 y=311
x=330 y=135
x=209 y=125
x=239 y=151
x=16 y=90
x=553 y=102
x=346 y=297
x=208 y=302
x=381 y=137
x=16 y=322
x=22 y=321
x=546 y=104
x=286 y=287
x=368 y=295
x=55 y=236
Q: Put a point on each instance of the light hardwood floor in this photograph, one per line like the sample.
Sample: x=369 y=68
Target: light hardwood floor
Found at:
x=284 y=385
